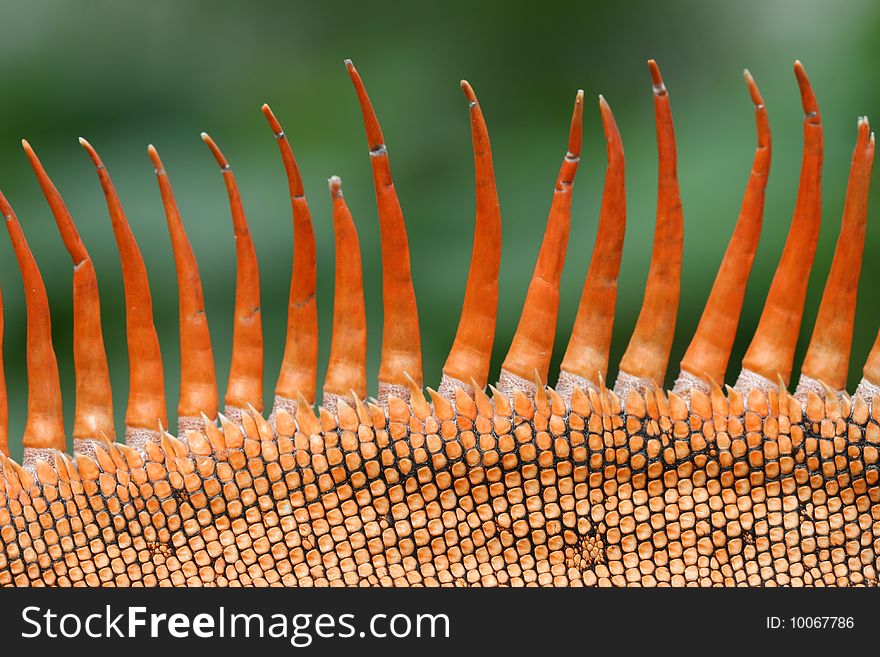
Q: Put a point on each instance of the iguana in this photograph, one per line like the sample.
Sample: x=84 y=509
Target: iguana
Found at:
x=577 y=485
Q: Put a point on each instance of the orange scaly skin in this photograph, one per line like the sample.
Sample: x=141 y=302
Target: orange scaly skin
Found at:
x=580 y=487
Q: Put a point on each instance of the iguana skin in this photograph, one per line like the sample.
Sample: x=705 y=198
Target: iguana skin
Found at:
x=533 y=493
x=530 y=487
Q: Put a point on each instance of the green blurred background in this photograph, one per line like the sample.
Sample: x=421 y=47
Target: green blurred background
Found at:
x=125 y=74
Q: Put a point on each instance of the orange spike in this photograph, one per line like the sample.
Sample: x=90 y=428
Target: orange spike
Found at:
x=246 y=371
x=347 y=370
x=299 y=368
x=708 y=354
x=4 y=400
x=532 y=343
x=44 y=428
x=471 y=351
x=586 y=358
x=146 y=395
x=771 y=351
x=94 y=398
x=401 y=340
x=827 y=357
x=647 y=354
x=198 y=384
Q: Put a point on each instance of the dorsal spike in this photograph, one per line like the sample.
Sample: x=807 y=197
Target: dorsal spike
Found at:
x=94 y=399
x=532 y=344
x=772 y=348
x=299 y=367
x=471 y=351
x=420 y=406
x=198 y=382
x=246 y=370
x=443 y=408
x=401 y=340
x=501 y=401
x=146 y=396
x=709 y=351
x=347 y=369
x=586 y=358
x=4 y=399
x=306 y=420
x=827 y=357
x=647 y=354
x=44 y=428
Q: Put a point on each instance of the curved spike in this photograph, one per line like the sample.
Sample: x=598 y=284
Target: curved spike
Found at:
x=347 y=370
x=299 y=367
x=198 y=383
x=146 y=396
x=709 y=351
x=827 y=357
x=532 y=343
x=401 y=339
x=647 y=354
x=246 y=372
x=44 y=428
x=94 y=398
x=586 y=358
x=772 y=348
x=4 y=400
x=471 y=351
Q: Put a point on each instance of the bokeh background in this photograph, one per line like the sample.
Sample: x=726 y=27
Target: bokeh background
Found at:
x=125 y=74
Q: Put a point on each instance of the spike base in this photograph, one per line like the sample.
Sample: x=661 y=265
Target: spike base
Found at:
x=568 y=383
x=687 y=382
x=87 y=446
x=280 y=404
x=448 y=386
x=806 y=385
x=330 y=401
x=33 y=454
x=509 y=383
x=749 y=380
x=626 y=382
x=867 y=391
x=189 y=423
x=387 y=390
x=137 y=437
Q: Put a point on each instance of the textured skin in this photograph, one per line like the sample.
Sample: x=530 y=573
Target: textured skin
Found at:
x=533 y=492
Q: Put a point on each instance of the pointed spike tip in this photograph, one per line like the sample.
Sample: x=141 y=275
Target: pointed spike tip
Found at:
x=96 y=159
x=576 y=132
x=335 y=184
x=215 y=150
x=656 y=78
x=274 y=123
x=154 y=158
x=755 y=93
x=808 y=97
x=468 y=91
